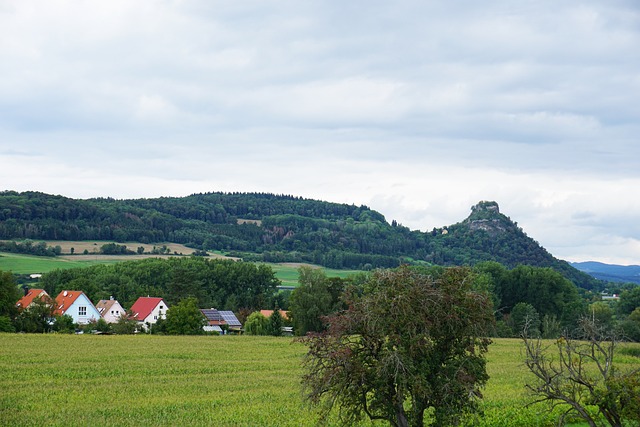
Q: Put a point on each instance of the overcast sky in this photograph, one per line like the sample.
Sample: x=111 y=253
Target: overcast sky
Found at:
x=418 y=109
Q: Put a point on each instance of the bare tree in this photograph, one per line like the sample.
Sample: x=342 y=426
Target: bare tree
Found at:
x=579 y=374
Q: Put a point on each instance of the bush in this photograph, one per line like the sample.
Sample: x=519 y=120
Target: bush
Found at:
x=6 y=325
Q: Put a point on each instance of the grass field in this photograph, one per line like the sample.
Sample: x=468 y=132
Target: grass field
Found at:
x=28 y=264
x=80 y=380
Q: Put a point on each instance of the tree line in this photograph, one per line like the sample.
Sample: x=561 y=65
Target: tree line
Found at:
x=281 y=228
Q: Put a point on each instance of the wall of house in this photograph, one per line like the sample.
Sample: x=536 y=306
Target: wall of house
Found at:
x=114 y=313
x=91 y=313
x=160 y=311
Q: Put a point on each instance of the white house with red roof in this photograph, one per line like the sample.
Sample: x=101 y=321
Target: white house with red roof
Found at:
x=110 y=310
x=77 y=305
x=147 y=310
x=29 y=296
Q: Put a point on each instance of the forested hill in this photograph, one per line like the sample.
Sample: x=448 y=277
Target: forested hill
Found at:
x=278 y=228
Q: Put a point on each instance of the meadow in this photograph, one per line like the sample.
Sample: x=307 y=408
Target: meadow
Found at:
x=79 y=380
x=287 y=273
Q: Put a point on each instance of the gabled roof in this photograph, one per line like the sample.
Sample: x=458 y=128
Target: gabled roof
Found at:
x=104 y=305
x=32 y=294
x=64 y=300
x=143 y=307
x=230 y=318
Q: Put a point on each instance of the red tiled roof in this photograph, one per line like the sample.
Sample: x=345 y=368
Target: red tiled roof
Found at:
x=268 y=313
x=144 y=306
x=64 y=301
x=32 y=294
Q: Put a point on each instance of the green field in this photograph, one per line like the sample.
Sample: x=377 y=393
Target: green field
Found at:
x=80 y=380
x=28 y=264
x=288 y=273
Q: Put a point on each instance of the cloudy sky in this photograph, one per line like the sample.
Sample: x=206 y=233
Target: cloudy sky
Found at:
x=418 y=109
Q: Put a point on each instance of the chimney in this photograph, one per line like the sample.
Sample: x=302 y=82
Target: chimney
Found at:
x=25 y=288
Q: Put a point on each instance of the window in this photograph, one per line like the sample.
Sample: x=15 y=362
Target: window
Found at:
x=82 y=311
x=161 y=307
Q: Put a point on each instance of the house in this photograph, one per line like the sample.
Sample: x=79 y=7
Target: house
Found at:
x=232 y=321
x=77 y=305
x=218 y=319
x=147 y=310
x=268 y=313
x=29 y=296
x=110 y=310
x=214 y=320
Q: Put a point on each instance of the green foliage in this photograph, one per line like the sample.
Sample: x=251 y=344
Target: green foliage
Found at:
x=125 y=325
x=37 y=318
x=411 y=346
x=6 y=325
x=115 y=249
x=275 y=323
x=185 y=318
x=64 y=324
x=278 y=228
x=214 y=283
x=9 y=295
x=30 y=248
x=543 y=288
x=525 y=316
x=315 y=297
x=257 y=324
x=629 y=300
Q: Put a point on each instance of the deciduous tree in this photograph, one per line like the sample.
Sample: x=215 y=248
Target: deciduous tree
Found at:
x=184 y=318
x=410 y=343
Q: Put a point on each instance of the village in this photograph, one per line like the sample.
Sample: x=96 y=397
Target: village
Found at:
x=145 y=312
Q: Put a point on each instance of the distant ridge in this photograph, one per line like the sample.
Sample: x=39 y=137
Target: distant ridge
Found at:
x=279 y=228
x=610 y=272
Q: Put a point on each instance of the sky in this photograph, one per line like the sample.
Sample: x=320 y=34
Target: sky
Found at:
x=417 y=109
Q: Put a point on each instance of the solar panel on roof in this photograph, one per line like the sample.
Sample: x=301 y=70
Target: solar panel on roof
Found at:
x=230 y=318
x=212 y=314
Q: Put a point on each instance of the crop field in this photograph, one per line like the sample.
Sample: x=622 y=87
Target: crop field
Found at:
x=80 y=380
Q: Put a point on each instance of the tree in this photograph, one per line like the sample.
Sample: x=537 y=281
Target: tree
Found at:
x=64 y=324
x=275 y=323
x=9 y=295
x=185 y=318
x=126 y=324
x=524 y=314
x=408 y=344
x=315 y=297
x=38 y=317
x=580 y=372
x=629 y=300
x=257 y=324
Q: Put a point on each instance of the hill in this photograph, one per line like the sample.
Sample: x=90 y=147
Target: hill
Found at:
x=278 y=228
x=610 y=272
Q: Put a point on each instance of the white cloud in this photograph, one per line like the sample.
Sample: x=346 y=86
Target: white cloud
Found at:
x=418 y=109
